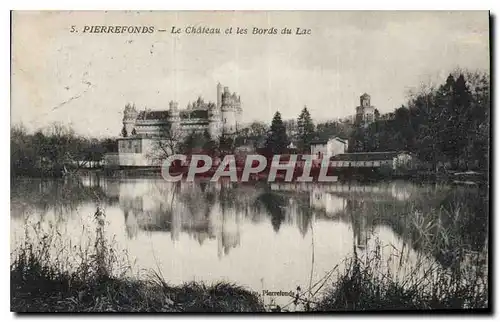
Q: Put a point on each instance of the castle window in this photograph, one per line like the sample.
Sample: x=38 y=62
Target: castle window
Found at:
x=138 y=147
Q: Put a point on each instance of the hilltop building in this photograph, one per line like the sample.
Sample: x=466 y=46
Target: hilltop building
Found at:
x=365 y=112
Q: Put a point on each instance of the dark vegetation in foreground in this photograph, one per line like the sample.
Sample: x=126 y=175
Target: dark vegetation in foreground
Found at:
x=41 y=281
x=361 y=287
x=43 y=289
x=36 y=287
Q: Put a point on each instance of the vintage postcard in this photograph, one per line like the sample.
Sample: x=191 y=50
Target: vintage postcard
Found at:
x=250 y=161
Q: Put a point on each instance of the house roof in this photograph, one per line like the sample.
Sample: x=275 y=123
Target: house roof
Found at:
x=325 y=141
x=194 y=114
x=319 y=141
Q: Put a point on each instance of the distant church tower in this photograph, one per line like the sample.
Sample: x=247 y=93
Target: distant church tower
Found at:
x=365 y=112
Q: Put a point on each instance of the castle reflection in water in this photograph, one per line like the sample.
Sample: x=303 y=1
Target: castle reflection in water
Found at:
x=216 y=211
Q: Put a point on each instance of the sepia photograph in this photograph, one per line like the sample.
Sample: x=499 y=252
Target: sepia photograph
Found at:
x=250 y=161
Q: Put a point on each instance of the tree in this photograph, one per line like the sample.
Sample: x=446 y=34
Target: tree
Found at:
x=258 y=129
x=451 y=122
x=254 y=134
x=277 y=139
x=332 y=128
x=209 y=145
x=167 y=144
x=226 y=145
x=305 y=129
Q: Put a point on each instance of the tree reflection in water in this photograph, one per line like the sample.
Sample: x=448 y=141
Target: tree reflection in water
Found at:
x=216 y=211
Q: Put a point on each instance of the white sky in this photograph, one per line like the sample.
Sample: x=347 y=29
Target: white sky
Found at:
x=348 y=53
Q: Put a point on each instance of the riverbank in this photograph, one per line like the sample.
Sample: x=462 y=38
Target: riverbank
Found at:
x=357 y=289
x=64 y=293
x=361 y=286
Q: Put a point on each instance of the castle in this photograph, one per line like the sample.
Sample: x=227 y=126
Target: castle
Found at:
x=141 y=129
x=199 y=116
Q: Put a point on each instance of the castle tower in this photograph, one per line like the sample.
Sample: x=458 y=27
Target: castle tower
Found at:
x=174 y=116
x=237 y=110
x=219 y=95
x=214 y=121
x=364 y=100
x=129 y=118
x=228 y=112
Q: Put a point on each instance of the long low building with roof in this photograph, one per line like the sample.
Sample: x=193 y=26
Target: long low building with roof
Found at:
x=392 y=159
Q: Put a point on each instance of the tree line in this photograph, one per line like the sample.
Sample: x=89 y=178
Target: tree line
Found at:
x=445 y=126
x=54 y=150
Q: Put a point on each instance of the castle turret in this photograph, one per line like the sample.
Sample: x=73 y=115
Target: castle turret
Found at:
x=228 y=112
x=238 y=112
x=214 y=121
x=364 y=100
x=219 y=95
x=129 y=119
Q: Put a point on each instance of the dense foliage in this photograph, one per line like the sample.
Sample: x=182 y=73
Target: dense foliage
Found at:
x=277 y=138
x=54 y=150
x=447 y=126
x=305 y=129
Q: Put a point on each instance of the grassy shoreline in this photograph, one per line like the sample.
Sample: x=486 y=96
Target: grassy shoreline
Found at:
x=38 y=287
x=129 y=295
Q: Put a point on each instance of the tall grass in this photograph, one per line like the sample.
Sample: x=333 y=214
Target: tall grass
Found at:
x=363 y=285
x=449 y=272
x=48 y=275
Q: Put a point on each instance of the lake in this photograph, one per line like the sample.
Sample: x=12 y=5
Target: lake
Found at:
x=263 y=236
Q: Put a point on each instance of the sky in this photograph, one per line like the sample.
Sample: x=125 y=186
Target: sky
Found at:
x=84 y=80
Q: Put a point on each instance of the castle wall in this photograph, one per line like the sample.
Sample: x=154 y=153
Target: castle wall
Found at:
x=215 y=129
x=135 y=151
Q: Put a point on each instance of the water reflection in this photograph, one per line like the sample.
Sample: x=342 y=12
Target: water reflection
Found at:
x=261 y=236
